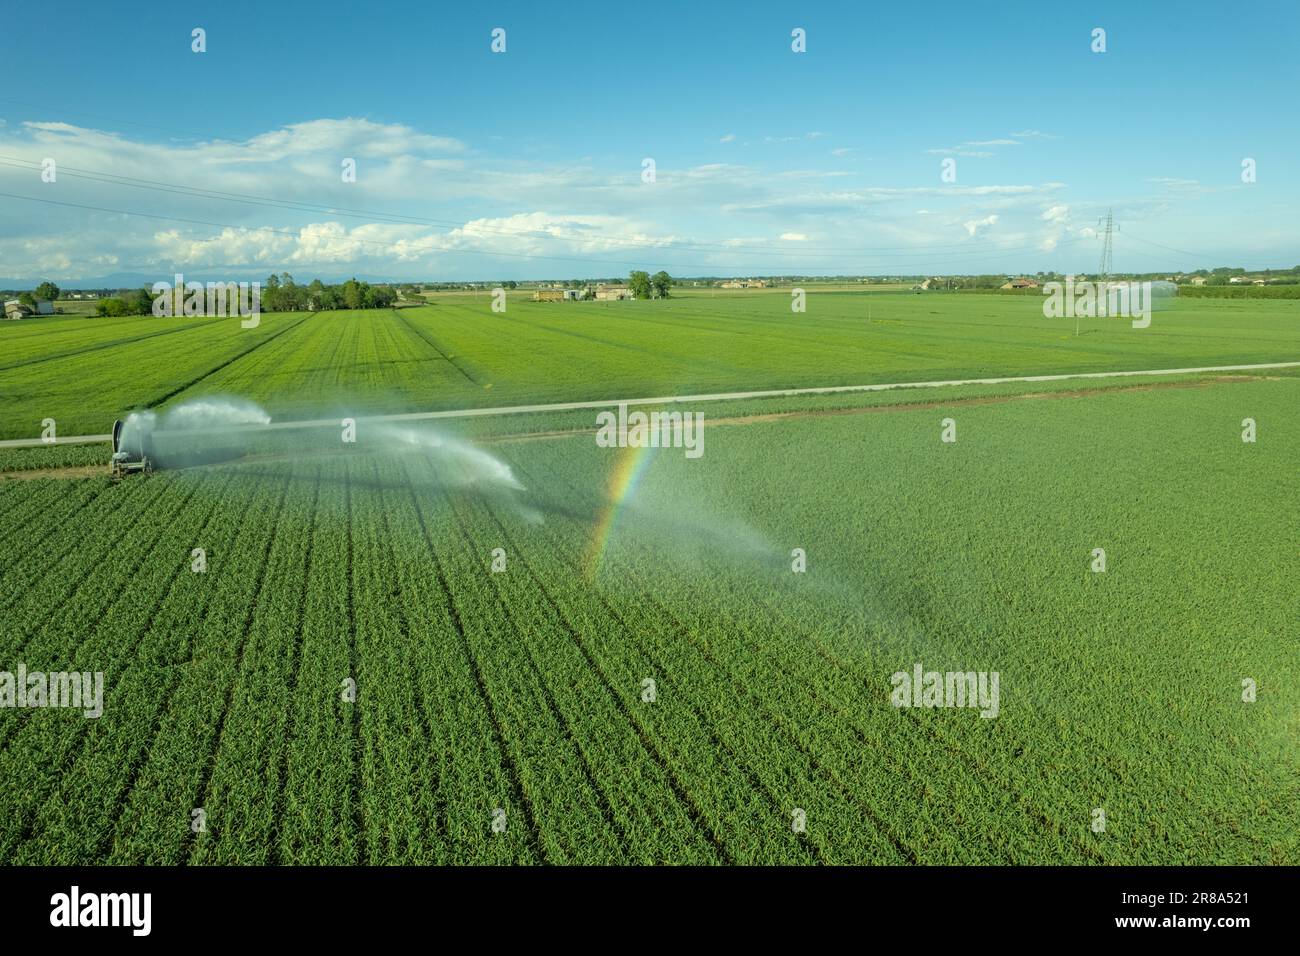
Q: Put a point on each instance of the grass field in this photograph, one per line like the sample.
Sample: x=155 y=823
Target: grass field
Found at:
x=457 y=353
x=504 y=716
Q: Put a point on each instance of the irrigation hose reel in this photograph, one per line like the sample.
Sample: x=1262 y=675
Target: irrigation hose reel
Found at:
x=130 y=451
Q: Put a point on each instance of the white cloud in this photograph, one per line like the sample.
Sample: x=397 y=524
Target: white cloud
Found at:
x=362 y=136
x=959 y=151
x=52 y=127
x=977 y=226
x=793 y=237
x=333 y=243
x=973 y=148
x=816 y=134
x=730 y=137
x=850 y=199
x=1186 y=187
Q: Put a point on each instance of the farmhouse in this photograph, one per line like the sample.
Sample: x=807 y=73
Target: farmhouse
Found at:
x=559 y=295
x=608 y=292
x=1239 y=280
x=744 y=284
x=14 y=309
x=1199 y=280
x=1021 y=283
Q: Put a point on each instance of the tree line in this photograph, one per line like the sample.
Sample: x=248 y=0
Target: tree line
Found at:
x=279 y=294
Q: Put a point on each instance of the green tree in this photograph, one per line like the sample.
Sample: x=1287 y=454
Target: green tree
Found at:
x=290 y=297
x=47 y=290
x=140 y=302
x=111 y=307
x=661 y=282
x=354 y=294
x=378 y=297
x=271 y=294
x=639 y=283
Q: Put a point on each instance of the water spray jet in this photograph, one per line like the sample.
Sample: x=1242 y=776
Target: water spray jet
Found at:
x=200 y=432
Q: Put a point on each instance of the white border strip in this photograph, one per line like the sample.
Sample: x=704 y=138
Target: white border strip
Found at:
x=711 y=397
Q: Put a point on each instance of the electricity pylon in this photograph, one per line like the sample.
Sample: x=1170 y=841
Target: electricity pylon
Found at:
x=1106 y=263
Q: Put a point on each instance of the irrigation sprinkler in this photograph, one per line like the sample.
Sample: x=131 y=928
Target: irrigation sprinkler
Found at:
x=131 y=450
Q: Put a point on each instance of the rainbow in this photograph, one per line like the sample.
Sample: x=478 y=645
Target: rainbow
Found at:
x=629 y=467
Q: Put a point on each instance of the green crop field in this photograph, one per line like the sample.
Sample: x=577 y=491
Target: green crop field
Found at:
x=457 y=353
x=492 y=640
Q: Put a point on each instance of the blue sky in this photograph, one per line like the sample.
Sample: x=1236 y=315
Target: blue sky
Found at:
x=528 y=163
